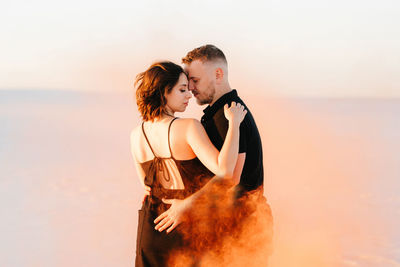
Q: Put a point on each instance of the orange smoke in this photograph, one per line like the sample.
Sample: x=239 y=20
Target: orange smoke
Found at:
x=223 y=231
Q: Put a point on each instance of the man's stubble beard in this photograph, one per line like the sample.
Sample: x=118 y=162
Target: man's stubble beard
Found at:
x=209 y=96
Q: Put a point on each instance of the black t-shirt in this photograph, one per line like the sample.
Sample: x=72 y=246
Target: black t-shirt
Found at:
x=216 y=126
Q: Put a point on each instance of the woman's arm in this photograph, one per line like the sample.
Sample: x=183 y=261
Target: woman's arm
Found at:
x=221 y=163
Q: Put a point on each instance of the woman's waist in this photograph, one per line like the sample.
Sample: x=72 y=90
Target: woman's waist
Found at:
x=155 y=206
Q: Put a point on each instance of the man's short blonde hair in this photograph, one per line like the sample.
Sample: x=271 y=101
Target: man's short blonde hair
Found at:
x=204 y=53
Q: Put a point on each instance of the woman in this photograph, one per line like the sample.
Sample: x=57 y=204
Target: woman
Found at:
x=174 y=157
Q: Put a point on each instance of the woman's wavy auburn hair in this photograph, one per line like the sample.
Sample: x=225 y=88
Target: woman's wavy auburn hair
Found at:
x=152 y=84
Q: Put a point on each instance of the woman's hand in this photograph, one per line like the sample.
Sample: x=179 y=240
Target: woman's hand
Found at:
x=172 y=217
x=235 y=113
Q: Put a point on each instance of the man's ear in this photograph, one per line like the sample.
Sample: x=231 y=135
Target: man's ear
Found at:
x=219 y=74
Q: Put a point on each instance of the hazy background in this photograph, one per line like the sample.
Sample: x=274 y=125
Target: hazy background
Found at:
x=320 y=77
x=308 y=48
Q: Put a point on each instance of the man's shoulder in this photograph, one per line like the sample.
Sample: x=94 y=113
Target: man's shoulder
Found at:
x=239 y=100
x=248 y=122
x=217 y=113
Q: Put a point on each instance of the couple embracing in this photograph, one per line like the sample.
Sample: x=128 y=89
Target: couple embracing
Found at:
x=203 y=180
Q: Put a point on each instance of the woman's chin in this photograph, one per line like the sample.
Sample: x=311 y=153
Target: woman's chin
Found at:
x=182 y=109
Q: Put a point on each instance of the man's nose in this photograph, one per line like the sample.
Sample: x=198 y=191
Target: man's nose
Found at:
x=191 y=85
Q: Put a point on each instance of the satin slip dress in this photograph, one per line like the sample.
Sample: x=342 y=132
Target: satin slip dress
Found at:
x=168 y=178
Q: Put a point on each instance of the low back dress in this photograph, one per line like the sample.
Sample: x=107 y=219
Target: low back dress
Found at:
x=168 y=178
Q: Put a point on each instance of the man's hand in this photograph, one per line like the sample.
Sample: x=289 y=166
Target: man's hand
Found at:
x=147 y=190
x=173 y=216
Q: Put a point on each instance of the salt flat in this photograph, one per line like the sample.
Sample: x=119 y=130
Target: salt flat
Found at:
x=69 y=194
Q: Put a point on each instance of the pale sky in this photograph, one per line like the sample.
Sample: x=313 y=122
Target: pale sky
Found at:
x=288 y=47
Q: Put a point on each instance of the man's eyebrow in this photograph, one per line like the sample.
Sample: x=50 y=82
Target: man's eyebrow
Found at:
x=193 y=77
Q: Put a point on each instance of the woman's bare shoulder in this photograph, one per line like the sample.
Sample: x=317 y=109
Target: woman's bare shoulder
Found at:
x=187 y=124
x=188 y=121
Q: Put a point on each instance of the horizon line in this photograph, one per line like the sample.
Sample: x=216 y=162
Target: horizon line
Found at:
x=277 y=96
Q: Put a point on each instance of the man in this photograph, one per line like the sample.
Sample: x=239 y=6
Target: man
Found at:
x=250 y=219
x=207 y=69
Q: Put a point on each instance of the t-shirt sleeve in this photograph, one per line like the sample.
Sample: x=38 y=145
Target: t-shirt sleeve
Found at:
x=243 y=137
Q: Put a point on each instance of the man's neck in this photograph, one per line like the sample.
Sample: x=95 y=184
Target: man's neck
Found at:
x=220 y=92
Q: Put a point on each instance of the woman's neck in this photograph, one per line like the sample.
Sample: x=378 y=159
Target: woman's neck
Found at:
x=168 y=112
x=164 y=116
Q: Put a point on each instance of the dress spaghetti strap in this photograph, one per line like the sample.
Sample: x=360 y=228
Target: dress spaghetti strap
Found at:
x=145 y=136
